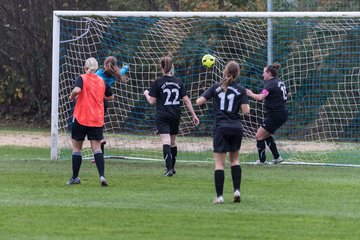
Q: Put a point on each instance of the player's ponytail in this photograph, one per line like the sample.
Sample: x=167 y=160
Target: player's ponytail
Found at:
x=273 y=69
x=231 y=72
x=111 y=68
x=166 y=64
x=91 y=65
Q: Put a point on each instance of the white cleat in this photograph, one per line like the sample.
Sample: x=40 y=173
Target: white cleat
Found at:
x=258 y=162
x=278 y=160
x=103 y=182
x=237 y=198
x=219 y=200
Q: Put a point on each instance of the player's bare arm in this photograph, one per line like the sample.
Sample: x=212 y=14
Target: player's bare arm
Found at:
x=149 y=98
x=110 y=98
x=200 y=101
x=245 y=109
x=188 y=104
x=257 y=97
x=74 y=93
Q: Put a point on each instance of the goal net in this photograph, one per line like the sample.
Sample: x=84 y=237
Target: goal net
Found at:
x=318 y=52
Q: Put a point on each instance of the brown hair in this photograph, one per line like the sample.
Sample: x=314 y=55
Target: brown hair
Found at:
x=166 y=64
x=273 y=69
x=231 y=72
x=111 y=68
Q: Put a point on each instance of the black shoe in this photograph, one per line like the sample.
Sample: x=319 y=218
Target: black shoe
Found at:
x=174 y=172
x=169 y=173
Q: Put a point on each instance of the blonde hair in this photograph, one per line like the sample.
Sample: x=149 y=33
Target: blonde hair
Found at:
x=91 y=65
x=231 y=72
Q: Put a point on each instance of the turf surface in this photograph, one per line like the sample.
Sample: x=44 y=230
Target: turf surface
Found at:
x=278 y=202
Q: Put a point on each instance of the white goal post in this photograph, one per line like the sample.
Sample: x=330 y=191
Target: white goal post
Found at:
x=318 y=52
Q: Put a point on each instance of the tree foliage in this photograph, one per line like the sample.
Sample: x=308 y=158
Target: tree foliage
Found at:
x=26 y=41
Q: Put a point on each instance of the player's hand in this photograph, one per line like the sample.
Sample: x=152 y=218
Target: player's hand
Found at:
x=196 y=121
x=146 y=92
x=249 y=92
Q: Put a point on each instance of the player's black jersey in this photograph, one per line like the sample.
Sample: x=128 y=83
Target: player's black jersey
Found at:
x=275 y=101
x=168 y=92
x=226 y=106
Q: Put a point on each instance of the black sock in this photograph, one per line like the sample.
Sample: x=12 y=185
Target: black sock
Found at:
x=272 y=145
x=167 y=156
x=173 y=155
x=76 y=164
x=236 y=176
x=261 y=150
x=103 y=148
x=219 y=182
x=100 y=163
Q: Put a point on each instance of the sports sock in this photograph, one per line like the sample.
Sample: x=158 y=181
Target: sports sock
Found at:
x=100 y=163
x=167 y=156
x=76 y=163
x=103 y=148
x=219 y=182
x=236 y=176
x=261 y=150
x=272 y=145
x=173 y=155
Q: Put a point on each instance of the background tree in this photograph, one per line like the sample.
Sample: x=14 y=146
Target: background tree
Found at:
x=26 y=43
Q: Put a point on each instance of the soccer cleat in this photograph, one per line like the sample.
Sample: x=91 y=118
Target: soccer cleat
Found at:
x=237 y=196
x=169 y=173
x=219 y=200
x=103 y=182
x=258 y=162
x=73 y=181
x=278 y=160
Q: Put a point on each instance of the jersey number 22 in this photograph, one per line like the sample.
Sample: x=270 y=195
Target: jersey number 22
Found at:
x=169 y=92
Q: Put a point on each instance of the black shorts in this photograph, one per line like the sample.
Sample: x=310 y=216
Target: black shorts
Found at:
x=79 y=132
x=274 y=121
x=167 y=126
x=224 y=142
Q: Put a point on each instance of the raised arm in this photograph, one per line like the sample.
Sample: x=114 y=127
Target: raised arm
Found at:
x=258 y=97
x=149 y=98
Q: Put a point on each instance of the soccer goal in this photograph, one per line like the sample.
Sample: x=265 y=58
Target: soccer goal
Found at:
x=319 y=54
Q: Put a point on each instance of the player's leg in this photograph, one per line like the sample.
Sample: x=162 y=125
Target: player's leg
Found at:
x=95 y=135
x=220 y=149
x=274 y=123
x=76 y=162
x=260 y=137
x=78 y=133
x=166 y=142
x=272 y=146
x=219 y=176
x=235 y=174
x=173 y=151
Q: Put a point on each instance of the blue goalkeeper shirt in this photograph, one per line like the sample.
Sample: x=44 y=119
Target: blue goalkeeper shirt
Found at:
x=109 y=80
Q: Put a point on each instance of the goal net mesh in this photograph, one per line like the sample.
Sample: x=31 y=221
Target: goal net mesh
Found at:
x=320 y=66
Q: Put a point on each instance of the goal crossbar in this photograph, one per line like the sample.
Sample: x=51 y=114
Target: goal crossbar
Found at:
x=318 y=53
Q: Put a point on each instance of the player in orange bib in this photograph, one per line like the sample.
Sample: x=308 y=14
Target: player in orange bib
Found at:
x=88 y=119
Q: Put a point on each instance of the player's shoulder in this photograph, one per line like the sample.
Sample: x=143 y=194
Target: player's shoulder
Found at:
x=238 y=87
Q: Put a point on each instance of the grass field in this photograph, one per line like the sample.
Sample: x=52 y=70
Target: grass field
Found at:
x=278 y=202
